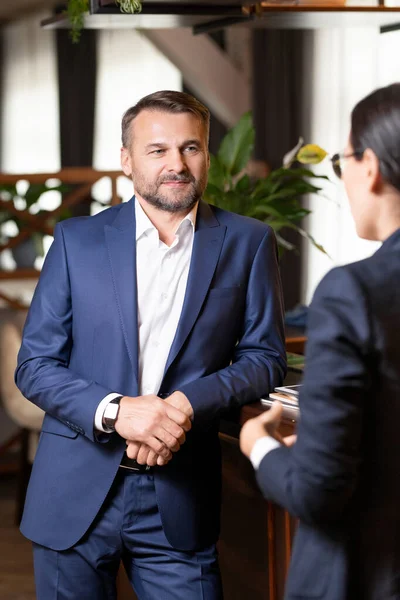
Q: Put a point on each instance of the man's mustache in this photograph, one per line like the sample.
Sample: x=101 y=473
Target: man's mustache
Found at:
x=185 y=178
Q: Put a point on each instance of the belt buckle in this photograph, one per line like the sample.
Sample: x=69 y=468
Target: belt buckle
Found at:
x=130 y=468
x=126 y=463
x=137 y=469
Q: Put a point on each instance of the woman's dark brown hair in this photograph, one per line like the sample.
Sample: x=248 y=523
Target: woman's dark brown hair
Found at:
x=375 y=124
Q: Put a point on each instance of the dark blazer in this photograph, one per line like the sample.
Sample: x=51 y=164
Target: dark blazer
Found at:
x=342 y=477
x=81 y=342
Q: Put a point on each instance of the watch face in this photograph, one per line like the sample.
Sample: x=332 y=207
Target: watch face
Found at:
x=112 y=411
x=110 y=415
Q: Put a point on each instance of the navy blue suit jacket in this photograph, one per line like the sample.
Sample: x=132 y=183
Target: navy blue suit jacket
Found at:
x=341 y=478
x=81 y=342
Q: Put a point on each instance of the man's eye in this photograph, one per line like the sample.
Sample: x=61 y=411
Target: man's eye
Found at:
x=158 y=151
x=191 y=148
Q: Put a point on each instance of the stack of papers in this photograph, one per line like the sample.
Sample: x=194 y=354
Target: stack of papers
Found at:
x=288 y=396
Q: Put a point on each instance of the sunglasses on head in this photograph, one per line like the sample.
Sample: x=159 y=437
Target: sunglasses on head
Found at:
x=338 y=158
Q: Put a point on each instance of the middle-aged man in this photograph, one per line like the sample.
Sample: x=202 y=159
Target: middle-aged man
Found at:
x=149 y=320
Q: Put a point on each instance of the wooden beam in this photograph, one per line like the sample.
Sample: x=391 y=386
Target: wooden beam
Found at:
x=67 y=175
x=207 y=70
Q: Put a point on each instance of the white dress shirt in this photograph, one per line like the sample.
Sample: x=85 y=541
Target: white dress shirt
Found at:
x=261 y=448
x=162 y=273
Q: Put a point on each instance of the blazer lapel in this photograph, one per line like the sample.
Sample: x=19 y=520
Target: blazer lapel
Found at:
x=207 y=244
x=121 y=243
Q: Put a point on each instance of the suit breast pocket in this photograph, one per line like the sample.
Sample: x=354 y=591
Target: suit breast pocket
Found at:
x=223 y=308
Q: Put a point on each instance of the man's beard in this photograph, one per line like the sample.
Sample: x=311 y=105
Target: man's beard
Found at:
x=152 y=194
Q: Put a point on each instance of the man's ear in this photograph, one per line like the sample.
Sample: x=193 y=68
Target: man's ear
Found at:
x=373 y=173
x=126 y=162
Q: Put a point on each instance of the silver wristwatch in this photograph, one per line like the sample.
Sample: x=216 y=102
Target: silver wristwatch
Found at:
x=110 y=414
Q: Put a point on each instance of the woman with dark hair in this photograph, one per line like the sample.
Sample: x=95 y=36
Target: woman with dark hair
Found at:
x=340 y=477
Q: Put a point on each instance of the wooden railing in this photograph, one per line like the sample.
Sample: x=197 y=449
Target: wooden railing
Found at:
x=81 y=179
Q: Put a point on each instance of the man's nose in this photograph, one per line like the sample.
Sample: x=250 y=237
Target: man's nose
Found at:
x=176 y=162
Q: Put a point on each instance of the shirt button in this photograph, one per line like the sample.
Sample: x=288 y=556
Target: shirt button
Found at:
x=156 y=344
x=164 y=296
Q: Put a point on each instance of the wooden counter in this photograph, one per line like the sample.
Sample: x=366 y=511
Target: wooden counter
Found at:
x=256 y=535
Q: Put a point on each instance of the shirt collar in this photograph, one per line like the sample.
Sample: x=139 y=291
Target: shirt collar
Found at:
x=143 y=223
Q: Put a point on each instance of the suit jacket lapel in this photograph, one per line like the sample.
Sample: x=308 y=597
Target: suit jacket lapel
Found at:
x=121 y=243
x=207 y=244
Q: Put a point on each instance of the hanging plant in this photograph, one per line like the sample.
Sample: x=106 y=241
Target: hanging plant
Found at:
x=76 y=10
x=129 y=6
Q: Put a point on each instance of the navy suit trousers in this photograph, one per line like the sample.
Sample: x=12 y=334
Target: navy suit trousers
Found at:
x=128 y=528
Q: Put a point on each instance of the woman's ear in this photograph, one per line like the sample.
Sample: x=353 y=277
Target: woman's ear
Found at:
x=373 y=174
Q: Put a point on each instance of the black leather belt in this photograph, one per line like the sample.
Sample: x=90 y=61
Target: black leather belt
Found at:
x=133 y=465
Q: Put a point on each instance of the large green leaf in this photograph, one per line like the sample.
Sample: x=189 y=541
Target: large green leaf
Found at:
x=214 y=195
x=308 y=236
x=300 y=187
x=234 y=202
x=243 y=185
x=284 y=186
x=216 y=173
x=264 y=188
x=284 y=243
x=295 y=173
x=282 y=195
x=267 y=210
x=302 y=172
x=237 y=146
x=296 y=216
x=291 y=209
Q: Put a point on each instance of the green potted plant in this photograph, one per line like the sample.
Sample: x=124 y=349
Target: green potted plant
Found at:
x=274 y=198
